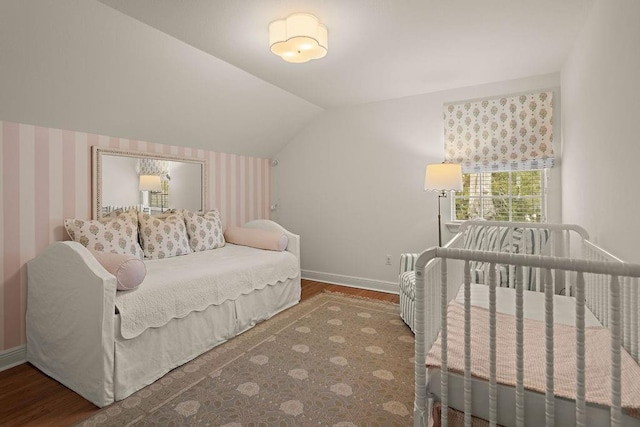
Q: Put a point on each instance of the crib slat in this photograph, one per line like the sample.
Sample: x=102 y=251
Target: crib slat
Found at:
x=444 y=374
x=634 y=318
x=467 y=347
x=606 y=306
x=420 y=350
x=580 y=352
x=548 y=322
x=614 y=320
x=493 y=388
x=626 y=314
x=519 y=350
x=566 y=243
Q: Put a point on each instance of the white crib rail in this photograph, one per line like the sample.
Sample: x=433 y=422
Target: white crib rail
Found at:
x=615 y=273
x=597 y=299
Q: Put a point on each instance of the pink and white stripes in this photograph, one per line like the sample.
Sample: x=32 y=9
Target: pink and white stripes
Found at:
x=46 y=177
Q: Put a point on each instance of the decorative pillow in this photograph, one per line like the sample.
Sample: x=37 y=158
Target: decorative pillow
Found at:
x=117 y=234
x=128 y=269
x=163 y=237
x=261 y=239
x=205 y=230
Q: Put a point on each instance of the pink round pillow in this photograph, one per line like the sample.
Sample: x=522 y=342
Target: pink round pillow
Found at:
x=129 y=270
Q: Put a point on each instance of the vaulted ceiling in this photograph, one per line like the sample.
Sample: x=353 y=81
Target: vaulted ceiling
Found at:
x=378 y=49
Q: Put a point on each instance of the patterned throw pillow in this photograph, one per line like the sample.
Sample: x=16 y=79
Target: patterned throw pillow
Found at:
x=205 y=230
x=163 y=237
x=117 y=234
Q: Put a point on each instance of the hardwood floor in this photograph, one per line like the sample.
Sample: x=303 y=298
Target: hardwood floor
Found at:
x=30 y=398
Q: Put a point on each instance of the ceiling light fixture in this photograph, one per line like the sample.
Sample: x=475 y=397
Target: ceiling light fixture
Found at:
x=298 y=38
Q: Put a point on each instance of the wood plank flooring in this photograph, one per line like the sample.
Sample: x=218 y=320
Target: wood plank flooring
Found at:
x=30 y=398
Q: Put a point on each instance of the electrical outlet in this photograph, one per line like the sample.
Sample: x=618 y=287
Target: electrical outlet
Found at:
x=388 y=259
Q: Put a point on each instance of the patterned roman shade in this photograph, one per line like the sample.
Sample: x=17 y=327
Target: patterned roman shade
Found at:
x=154 y=167
x=500 y=134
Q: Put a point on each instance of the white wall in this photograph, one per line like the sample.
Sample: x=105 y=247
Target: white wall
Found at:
x=83 y=66
x=601 y=138
x=351 y=183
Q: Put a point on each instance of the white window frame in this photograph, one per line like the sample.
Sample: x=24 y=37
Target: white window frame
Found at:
x=544 y=185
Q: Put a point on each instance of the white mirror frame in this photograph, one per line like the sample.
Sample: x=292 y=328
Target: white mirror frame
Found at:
x=96 y=177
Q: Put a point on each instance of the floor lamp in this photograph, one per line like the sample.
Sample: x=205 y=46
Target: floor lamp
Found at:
x=442 y=177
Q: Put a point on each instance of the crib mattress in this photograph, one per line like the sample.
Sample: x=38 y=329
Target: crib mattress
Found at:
x=564 y=314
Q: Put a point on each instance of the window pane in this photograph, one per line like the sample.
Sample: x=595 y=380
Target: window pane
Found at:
x=527 y=209
x=500 y=209
x=526 y=183
x=462 y=208
x=500 y=183
x=501 y=196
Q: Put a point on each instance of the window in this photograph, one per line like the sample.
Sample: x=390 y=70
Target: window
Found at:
x=160 y=200
x=502 y=196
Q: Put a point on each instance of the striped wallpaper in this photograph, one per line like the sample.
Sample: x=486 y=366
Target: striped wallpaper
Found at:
x=46 y=176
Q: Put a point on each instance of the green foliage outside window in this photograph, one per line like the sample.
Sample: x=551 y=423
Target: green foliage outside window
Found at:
x=160 y=200
x=501 y=196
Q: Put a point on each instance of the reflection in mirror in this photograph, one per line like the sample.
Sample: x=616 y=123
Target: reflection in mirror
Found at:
x=150 y=183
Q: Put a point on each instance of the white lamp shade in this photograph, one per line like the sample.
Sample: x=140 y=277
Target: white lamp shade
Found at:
x=298 y=38
x=150 y=183
x=443 y=177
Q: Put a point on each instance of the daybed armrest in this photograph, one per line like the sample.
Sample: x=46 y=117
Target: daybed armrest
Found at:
x=407 y=262
x=266 y=224
x=70 y=320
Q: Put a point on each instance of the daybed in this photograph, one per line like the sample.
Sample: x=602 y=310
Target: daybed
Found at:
x=105 y=345
x=526 y=356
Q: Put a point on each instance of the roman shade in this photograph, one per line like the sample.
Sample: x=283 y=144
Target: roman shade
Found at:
x=154 y=167
x=500 y=134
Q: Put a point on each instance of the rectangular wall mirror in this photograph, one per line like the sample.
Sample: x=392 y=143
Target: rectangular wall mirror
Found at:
x=149 y=182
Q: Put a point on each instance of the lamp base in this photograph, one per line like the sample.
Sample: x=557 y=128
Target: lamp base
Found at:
x=442 y=194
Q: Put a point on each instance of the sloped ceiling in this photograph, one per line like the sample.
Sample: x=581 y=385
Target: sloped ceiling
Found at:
x=83 y=66
x=379 y=49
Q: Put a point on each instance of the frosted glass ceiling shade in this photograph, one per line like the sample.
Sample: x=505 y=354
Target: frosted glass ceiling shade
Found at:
x=298 y=38
x=443 y=177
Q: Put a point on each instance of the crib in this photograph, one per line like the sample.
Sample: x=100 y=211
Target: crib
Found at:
x=510 y=237
x=580 y=349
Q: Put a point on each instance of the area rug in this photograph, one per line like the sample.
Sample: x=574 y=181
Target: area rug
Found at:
x=331 y=360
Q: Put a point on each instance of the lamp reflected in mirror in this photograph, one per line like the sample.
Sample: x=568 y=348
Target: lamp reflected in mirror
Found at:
x=149 y=184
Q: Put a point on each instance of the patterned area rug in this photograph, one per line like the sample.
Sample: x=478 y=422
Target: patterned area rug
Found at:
x=331 y=360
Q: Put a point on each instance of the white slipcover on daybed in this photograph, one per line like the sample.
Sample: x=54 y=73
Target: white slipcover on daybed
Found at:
x=105 y=345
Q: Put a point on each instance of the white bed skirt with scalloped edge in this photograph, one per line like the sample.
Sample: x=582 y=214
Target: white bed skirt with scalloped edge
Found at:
x=144 y=359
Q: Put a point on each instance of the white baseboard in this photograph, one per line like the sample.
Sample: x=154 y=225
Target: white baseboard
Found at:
x=13 y=357
x=350 y=281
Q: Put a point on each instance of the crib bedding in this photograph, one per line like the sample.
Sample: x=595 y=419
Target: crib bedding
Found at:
x=597 y=357
x=180 y=285
x=563 y=306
